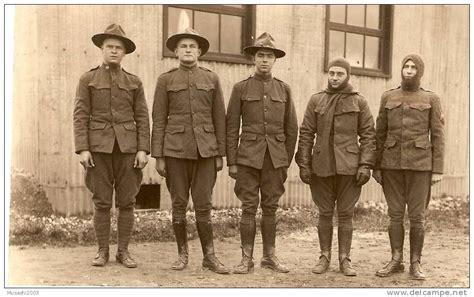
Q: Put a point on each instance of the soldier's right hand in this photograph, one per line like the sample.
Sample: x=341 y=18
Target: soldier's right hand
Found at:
x=86 y=159
x=305 y=175
x=161 y=166
x=377 y=175
x=233 y=171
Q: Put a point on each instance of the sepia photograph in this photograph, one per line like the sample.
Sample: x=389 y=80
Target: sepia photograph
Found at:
x=232 y=146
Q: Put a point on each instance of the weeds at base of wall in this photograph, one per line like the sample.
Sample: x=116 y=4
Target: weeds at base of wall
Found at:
x=443 y=213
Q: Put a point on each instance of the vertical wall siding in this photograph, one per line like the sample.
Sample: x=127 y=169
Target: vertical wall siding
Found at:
x=60 y=35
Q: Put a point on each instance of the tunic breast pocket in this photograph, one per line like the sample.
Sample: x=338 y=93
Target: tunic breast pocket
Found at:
x=251 y=109
x=346 y=117
x=176 y=91
x=278 y=107
x=126 y=92
x=100 y=97
x=394 y=114
x=205 y=92
x=419 y=113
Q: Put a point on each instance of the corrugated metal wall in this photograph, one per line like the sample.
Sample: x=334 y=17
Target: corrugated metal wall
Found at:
x=53 y=48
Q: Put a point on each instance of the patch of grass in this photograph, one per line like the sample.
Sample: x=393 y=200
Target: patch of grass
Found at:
x=156 y=225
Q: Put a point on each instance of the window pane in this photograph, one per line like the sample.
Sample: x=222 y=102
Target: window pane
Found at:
x=231 y=34
x=337 y=13
x=373 y=16
x=336 y=44
x=355 y=15
x=372 y=45
x=354 y=49
x=207 y=25
x=178 y=20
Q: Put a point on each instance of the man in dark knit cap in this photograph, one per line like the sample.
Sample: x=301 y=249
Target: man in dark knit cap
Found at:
x=339 y=163
x=410 y=153
x=259 y=162
x=112 y=138
x=188 y=141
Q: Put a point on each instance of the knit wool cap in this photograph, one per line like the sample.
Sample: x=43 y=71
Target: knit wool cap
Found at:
x=420 y=66
x=341 y=62
x=413 y=83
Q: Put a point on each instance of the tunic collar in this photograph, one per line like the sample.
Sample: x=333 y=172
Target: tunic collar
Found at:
x=263 y=77
x=188 y=68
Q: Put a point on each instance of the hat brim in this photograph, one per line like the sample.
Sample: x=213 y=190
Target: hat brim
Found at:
x=172 y=42
x=251 y=50
x=98 y=40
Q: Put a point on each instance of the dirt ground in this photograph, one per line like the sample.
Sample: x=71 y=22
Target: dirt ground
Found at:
x=445 y=262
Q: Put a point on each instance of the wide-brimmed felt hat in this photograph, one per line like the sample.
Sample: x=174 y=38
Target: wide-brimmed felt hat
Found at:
x=264 y=41
x=114 y=31
x=172 y=41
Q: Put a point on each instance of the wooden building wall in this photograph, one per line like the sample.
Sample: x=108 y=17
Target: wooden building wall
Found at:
x=53 y=48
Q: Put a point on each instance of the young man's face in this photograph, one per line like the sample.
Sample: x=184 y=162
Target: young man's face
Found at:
x=409 y=69
x=187 y=51
x=336 y=76
x=113 y=51
x=264 y=60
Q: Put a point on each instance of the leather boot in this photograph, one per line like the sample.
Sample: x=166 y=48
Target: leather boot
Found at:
x=182 y=242
x=269 y=260
x=396 y=234
x=247 y=239
x=344 y=237
x=325 y=243
x=210 y=260
x=101 y=258
x=123 y=257
x=417 y=237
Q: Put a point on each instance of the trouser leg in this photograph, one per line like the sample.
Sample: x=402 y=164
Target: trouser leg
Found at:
x=418 y=192
x=99 y=180
x=246 y=189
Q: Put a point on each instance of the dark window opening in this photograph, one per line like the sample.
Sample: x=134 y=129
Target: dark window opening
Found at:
x=148 y=197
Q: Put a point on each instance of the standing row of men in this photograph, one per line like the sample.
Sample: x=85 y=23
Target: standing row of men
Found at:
x=191 y=135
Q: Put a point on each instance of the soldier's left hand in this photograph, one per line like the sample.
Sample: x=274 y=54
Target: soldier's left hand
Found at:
x=436 y=178
x=219 y=163
x=140 y=160
x=363 y=175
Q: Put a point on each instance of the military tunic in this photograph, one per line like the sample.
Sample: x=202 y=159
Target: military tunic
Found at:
x=111 y=121
x=189 y=132
x=410 y=147
x=336 y=155
x=264 y=106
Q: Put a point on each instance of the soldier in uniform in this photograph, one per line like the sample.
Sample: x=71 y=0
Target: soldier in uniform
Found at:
x=264 y=106
x=188 y=141
x=410 y=153
x=112 y=138
x=339 y=163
